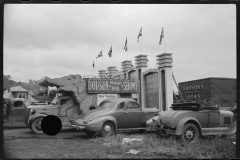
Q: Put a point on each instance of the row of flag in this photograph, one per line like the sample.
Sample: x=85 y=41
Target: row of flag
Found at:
x=126 y=47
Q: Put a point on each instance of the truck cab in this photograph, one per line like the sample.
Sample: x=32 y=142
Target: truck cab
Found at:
x=16 y=110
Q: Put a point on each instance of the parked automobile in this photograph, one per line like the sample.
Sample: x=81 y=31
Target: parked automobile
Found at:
x=192 y=119
x=38 y=112
x=116 y=114
x=16 y=110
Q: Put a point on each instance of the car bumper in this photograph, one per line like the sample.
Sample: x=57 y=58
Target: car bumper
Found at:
x=168 y=130
x=78 y=127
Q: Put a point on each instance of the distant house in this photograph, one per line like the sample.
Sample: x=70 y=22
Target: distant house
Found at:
x=18 y=92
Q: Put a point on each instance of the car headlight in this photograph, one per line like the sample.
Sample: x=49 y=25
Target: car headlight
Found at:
x=85 y=121
x=33 y=111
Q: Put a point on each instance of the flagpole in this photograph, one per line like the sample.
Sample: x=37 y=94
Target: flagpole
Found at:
x=141 y=44
x=102 y=62
x=93 y=68
x=127 y=54
x=164 y=43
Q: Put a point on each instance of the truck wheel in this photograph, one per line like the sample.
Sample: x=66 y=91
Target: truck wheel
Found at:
x=90 y=133
x=108 y=129
x=36 y=125
x=190 y=133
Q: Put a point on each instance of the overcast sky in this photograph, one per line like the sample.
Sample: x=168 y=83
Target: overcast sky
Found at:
x=57 y=40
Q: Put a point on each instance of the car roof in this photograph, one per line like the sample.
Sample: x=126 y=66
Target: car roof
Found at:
x=120 y=99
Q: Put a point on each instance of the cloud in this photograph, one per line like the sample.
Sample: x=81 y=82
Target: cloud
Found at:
x=58 y=40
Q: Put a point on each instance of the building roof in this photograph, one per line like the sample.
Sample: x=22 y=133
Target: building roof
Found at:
x=18 y=89
x=31 y=99
x=223 y=78
x=8 y=95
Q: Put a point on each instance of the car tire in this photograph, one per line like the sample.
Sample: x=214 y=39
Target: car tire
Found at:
x=108 y=129
x=90 y=133
x=36 y=125
x=190 y=133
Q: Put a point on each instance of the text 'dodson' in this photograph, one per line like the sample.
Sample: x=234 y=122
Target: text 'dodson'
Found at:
x=114 y=86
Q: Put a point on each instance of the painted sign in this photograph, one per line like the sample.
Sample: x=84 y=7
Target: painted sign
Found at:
x=112 y=86
x=101 y=97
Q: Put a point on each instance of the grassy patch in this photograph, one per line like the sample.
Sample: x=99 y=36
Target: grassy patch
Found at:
x=153 y=146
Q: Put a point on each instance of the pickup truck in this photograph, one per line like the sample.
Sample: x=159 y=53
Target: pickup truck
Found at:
x=15 y=110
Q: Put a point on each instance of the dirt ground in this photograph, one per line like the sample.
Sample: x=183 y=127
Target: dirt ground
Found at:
x=21 y=143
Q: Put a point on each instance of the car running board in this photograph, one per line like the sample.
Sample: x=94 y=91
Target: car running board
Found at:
x=217 y=131
x=130 y=129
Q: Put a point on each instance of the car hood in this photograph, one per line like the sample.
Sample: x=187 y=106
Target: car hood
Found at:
x=168 y=117
x=40 y=107
x=92 y=114
x=172 y=113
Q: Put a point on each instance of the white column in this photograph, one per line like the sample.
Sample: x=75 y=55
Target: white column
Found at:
x=165 y=64
x=168 y=85
x=141 y=62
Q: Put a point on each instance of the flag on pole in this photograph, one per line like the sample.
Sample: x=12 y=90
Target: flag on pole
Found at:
x=161 y=37
x=125 y=47
x=93 y=65
x=100 y=54
x=140 y=34
x=110 y=52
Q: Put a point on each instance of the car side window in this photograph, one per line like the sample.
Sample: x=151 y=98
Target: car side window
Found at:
x=19 y=104
x=132 y=105
x=121 y=105
x=136 y=106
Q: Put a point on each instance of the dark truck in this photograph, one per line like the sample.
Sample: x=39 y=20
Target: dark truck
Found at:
x=16 y=110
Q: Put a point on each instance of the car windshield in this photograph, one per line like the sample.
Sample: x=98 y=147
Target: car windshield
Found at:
x=54 y=101
x=105 y=104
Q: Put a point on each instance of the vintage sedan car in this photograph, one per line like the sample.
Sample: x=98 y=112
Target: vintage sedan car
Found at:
x=192 y=120
x=116 y=114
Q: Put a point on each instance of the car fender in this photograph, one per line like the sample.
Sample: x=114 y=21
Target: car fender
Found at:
x=182 y=122
x=98 y=122
x=33 y=117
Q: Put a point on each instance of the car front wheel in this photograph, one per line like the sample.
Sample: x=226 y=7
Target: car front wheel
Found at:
x=190 y=133
x=108 y=129
x=36 y=125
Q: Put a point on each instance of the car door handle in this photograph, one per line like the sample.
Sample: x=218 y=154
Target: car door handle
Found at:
x=13 y=109
x=44 y=109
x=126 y=112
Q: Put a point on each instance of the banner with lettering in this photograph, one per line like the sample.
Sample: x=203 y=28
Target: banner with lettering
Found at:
x=112 y=86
